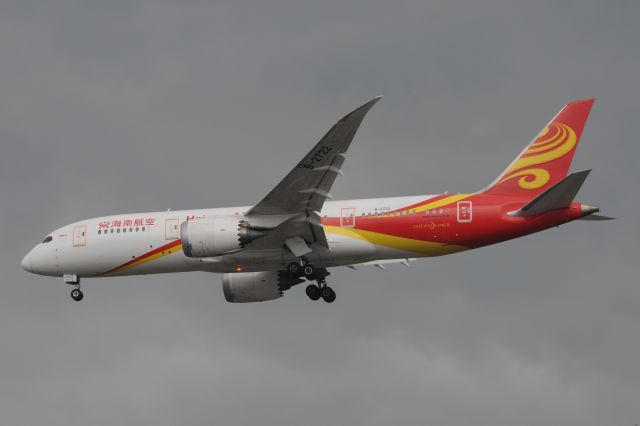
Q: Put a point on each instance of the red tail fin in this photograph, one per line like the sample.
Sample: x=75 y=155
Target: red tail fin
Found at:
x=546 y=160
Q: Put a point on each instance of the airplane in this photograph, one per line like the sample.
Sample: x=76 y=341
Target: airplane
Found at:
x=297 y=231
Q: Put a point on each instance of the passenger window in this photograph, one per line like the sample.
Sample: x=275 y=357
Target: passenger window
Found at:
x=47 y=240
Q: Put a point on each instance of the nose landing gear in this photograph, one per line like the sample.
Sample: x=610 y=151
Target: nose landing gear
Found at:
x=76 y=293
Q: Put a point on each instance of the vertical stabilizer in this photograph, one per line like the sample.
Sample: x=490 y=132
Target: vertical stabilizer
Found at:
x=546 y=160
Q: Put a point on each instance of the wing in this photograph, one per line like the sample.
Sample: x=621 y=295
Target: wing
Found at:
x=295 y=233
x=307 y=186
x=302 y=193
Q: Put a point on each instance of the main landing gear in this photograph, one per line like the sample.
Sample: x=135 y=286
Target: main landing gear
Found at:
x=76 y=293
x=314 y=291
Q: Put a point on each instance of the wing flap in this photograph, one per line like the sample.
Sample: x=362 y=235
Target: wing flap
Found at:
x=297 y=245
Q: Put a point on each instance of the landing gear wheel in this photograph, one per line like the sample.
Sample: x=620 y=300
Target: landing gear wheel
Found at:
x=76 y=294
x=293 y=268
x=328 y=295
x=313 y=291
x=309 y=272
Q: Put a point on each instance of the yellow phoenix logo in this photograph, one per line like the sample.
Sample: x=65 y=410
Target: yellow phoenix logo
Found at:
x=553 y=142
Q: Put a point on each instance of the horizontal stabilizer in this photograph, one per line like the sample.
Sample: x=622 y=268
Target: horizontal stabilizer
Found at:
x=559 y=196
x=596 y=217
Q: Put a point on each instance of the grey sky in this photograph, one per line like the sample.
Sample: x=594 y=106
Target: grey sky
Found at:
x=116 y=106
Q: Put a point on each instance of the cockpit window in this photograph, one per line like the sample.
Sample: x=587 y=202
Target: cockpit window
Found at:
x=47 y=240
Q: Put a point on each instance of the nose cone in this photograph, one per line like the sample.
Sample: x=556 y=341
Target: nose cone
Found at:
x=26 y=263
x=43 y=259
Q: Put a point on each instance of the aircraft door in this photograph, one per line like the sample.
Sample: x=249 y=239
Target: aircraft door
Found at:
x=464 y=216
x=465 y=212
x=171 y=229
x=348 y=217
x=79 y=236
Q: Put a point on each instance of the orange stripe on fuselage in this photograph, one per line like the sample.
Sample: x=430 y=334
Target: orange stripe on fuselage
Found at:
x=428 y=248
x=395 y=229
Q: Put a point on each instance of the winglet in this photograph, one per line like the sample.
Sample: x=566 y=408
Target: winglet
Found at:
x=361 y=111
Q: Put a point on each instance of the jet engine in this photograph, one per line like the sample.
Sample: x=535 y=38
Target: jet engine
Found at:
x=244 y=287
x=218 y=235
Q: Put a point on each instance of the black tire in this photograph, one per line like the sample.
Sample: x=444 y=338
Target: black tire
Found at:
x=309 y=272
x=313 y=291
x=293 y=268
x=328 y=295
x=76 y=294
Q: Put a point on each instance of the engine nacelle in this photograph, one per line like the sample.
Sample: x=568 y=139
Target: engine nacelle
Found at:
x=218 y=235
x=243 y=287
x=209 y=237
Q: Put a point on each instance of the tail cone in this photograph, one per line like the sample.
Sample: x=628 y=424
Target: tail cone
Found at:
x=588 y=209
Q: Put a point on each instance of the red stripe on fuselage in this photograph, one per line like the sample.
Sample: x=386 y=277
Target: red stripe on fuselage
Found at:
x=144 y=256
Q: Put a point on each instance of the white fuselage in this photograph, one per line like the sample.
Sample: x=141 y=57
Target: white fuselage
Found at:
x=117 y=245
